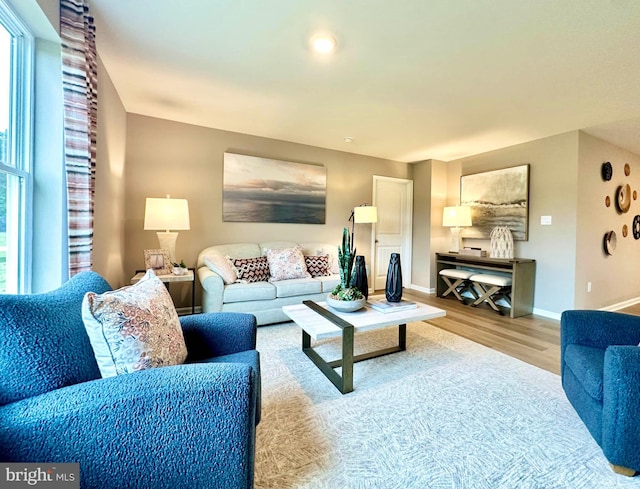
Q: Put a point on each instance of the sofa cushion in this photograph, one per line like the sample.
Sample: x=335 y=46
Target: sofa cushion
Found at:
x=44 y=343
x=254 y=291
x=222 y=266
x=297 y=286
x=317 y=266
x=251 y=270
x=285 y=264
x=134 y=328
x=587 y=364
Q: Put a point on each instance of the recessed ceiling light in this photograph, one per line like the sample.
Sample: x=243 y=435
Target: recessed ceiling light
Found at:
x=348 y=139
x=323 y=44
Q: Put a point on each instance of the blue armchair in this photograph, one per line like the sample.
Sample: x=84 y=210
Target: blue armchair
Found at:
x=186 y=426
x=600 y=362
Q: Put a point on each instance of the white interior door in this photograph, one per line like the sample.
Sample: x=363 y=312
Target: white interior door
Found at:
x=392 y=233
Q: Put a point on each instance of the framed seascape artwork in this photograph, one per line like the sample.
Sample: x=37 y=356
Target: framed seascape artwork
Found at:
x=265 y=190
x=497 y=198
x=158 y=261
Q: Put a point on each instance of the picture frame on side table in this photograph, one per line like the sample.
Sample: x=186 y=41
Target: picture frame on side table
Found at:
x=158 y=260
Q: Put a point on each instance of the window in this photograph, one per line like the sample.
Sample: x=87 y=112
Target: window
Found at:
x=16 y=47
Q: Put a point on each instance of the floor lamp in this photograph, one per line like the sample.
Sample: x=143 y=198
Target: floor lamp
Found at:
x=361 y=215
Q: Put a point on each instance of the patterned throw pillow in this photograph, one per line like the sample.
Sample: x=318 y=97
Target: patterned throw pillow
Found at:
x=286 y=264
x=222 y=266
x=134 y=328
x=317 y=266
x=251 y=269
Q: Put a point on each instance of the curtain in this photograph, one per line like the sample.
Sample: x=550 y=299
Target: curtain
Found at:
x=80 y=85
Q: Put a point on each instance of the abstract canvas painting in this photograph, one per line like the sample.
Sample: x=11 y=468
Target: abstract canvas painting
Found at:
x=265 y=190
x=497 y=198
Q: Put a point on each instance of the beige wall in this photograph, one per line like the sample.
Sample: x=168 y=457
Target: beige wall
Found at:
x=429 y=198
x=553 y=191
x=614 y=278
x=186 y=161
x=109 y=210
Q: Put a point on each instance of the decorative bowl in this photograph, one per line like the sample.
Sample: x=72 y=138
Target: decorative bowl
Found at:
x=346 y=306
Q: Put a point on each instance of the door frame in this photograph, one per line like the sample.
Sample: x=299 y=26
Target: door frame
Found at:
x=407 y=232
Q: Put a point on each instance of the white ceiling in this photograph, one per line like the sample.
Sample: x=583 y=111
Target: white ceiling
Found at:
x=410 y=80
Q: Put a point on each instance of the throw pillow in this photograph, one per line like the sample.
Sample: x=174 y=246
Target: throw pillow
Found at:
x=134 y=328
x=251 y=269
x=317 y=266
x=222 y=266
x=286 y=264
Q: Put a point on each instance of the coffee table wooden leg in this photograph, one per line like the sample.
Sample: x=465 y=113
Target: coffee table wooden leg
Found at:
x=347 y=360
x=344 y=382
x=402 y=337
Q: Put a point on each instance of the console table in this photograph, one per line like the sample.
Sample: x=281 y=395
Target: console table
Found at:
x=522 y=271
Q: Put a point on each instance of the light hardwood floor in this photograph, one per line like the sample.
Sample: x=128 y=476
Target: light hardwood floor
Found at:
x=532 y=339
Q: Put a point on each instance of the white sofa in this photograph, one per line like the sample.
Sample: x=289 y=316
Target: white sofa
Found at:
x=264 y=299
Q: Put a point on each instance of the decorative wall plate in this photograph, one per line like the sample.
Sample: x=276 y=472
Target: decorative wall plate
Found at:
x=607 y=201
x=610 y=242
x=625 y=231
x=623 y=197
x=627 y=169
x=607 y=171
x=636 y=227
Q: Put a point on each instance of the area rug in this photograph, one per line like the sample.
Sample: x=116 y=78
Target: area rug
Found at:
x=447 y=413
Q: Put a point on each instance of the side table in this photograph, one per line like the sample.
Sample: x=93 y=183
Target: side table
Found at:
x=169 y=279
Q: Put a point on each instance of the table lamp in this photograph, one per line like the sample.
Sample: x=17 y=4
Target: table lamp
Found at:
x=456 y=218
x=167 y=214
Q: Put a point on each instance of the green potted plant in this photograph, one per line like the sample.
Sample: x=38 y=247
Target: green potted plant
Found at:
x=180 y=268
x=345 y=297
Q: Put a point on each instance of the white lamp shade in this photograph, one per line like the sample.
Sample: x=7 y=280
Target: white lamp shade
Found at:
x=166 y=214
x=457 y=216
x=365 y=213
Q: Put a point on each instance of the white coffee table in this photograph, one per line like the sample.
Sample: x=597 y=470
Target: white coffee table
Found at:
x=319 y=321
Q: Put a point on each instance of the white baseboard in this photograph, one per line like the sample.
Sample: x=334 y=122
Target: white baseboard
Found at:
x=546 y=314
x=185 y=311
x=621 y=305
x=421 y=289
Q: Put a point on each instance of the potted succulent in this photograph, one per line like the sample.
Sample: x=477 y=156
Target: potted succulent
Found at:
x=346 y=297
x=180 y=268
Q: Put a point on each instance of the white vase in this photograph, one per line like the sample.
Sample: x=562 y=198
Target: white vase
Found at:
x=501 y=242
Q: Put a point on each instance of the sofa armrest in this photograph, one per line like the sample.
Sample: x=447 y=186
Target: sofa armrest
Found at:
x=220 y=333
x=598 y=329
x=188 y=426
x=621 y=405
x=212 y=289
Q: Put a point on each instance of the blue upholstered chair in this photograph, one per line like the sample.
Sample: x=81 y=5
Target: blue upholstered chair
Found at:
x=600 y=361
x=186 y=426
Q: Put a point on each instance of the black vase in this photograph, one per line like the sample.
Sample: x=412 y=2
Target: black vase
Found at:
x=360 y=280
x=393 y=290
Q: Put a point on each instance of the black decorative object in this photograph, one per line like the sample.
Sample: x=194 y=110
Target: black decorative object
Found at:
x=636 y=227
x=393 y=290
x=359 y=279
x=607 y=171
